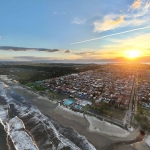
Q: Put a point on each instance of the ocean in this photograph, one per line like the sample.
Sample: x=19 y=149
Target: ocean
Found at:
x=3 y=135
x=5 y=142
x=4 y=145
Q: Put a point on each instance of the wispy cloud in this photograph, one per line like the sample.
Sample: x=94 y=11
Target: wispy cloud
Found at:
x=86 y=53
x=137 y=15
x=10 y=48
x=109 y=22
x=123 y=45
x=98 y=54
x=142 y=11
x=42 y=59
x=139 y=42
x=110 y=35
x=113 y=21
x=78 y=21
x=136 y=4
x=68 y=51
x=49 y=50
x=33 y=58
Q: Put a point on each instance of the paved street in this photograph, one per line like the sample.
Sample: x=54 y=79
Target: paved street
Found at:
x=133 y=103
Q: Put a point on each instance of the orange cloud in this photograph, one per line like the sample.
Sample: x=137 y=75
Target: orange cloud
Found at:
x=117 y=21
x=109 y=22
x=113 y=21
x=136 y=4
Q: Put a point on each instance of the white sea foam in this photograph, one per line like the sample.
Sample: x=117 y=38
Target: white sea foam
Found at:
x=3 y=113
x=147 y=140
x=8 y=80
x=3 y=92
x=2 y=89
x=20 y=138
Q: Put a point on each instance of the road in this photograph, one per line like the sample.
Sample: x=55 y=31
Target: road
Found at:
x=133 y=103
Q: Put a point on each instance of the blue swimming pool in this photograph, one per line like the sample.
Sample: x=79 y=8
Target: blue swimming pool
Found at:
x=78 y=107
x=69 y=102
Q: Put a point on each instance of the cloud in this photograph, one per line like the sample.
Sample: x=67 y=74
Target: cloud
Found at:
x=117 y=21
x=110 y=35
x=142 y=11
x=136 y=4
x=0 y=37
x=85 y=53
x=78 y=21
x=139 y=42
x=109 y=22
x=49 y=50
x=43 y=59
x=10 y=48
x=95 y=54
x=68 y=51
x=120 y=47
x=137 y=14
x=88 y=55
x=33 y=58
x=113 y=21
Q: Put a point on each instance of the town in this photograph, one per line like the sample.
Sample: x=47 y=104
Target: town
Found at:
x=119 y=95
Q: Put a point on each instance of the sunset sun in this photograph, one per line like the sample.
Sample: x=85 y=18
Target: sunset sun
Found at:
x=132 y=53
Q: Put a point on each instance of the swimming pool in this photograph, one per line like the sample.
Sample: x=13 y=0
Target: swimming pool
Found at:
x=69 y=102
x=78 y=107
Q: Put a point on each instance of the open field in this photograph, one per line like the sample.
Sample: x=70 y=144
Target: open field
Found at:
x=117 y=114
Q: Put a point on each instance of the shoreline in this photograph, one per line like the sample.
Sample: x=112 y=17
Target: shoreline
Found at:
x=72 y=119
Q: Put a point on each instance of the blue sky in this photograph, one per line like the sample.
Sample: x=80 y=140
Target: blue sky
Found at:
x=65 y=24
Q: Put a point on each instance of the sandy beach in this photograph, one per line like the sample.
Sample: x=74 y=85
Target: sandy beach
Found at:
x=105 y=128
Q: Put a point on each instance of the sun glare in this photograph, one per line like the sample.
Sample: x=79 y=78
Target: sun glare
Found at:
x=133 y=53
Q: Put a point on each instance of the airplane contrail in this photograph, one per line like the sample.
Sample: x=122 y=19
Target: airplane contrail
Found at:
x=111 y=35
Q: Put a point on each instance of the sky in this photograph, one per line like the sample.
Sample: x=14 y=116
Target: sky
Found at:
x=73 y=30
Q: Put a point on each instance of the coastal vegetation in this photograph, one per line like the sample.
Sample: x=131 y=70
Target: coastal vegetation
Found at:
x=143 y=119
x=31 y=72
